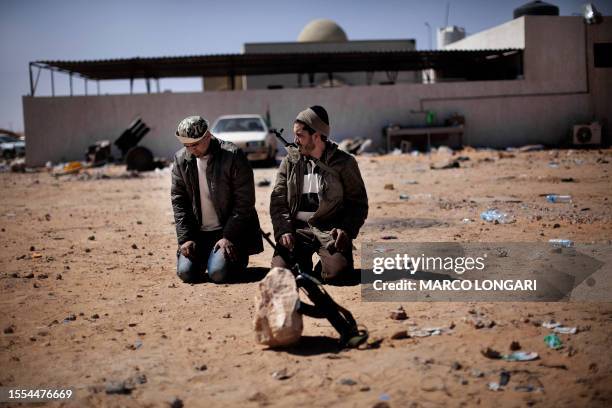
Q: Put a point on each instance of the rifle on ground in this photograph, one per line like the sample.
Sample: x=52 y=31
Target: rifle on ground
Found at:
x=323 y=307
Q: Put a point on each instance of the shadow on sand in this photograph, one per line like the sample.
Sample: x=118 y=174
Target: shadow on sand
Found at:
x=311 y=346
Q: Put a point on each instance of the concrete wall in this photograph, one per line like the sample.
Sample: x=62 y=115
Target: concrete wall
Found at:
x=541 y=108
x=600 y=79
x=61 y=128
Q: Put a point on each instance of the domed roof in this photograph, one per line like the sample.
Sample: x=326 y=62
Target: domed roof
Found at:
x=322 y=30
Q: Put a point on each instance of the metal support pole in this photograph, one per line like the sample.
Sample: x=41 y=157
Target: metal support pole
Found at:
x=98 y=86
x=330 y=76
x=52 y=84
x=131 y=85
x=31 y=80
x=148 y=83
x=85 y=82
x=37 y=77
x=71 y=84
x=369 y=77
x=157 y=81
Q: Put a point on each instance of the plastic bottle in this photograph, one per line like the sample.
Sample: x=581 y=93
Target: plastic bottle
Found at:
x=555 y=198
x=494 y=215
x=561 y=243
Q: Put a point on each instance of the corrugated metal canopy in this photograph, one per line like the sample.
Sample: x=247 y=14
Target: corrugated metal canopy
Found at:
x=277 y=63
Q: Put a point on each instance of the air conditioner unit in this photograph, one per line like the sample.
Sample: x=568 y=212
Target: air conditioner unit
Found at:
x=587 y=134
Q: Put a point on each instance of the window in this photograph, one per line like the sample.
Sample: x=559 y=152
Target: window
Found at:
x=603 y=55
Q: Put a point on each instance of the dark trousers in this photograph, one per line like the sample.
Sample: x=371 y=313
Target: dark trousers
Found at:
x=332 y=264
x=209 y=263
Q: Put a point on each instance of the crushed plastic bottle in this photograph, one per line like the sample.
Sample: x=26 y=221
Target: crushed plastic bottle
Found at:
x=555 y=198
x=553 y=341
x=561 y=243
x=494 y=215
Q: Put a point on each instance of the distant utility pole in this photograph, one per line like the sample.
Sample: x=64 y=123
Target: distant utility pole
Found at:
x=447 y=12
x=428 y=34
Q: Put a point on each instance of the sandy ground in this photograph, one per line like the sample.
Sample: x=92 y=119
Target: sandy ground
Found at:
x=90 y=296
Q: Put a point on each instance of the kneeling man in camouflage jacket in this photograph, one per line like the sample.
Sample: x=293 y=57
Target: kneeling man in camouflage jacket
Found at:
x=319 y=201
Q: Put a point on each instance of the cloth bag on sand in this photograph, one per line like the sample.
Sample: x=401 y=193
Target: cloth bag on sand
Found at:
x=277 y=321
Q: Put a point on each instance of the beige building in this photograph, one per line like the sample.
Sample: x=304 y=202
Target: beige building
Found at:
x=320 y=35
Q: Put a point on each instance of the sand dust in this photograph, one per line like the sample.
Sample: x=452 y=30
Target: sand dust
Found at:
x=90 y=296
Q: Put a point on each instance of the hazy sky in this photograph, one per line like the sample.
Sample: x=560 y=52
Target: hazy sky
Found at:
x=33 y=30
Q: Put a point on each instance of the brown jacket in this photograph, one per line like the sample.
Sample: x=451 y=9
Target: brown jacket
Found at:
x=343 y=201
x=232 y=190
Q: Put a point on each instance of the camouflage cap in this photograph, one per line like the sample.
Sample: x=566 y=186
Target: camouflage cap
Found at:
x=191 y=129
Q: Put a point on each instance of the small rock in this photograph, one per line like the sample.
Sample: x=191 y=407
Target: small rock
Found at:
x=227 y=316
x=399 y=314
x=482 y=323
x=58 y=276
x=10 y=329
x=399 y=335
x=263 y=183
x=29 y=275
x=120 y=388
x=456 y=366
x=389 y=186
x=176 y=403
x=476 y=373
x=70 y=318
x=202 y=367
x=515 y=345
x=42 y=276
x=91 y=238
x=504 y=378
x=281 y=375
x=490 y=353
x=95 y=316
x=347 y=381
x=140 y=379
x=134 y=246
x=32 y=248
x=259 y=397
x=137 y=344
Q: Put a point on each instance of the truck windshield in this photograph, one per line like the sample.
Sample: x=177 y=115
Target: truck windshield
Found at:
x=238 y=125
